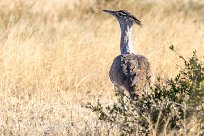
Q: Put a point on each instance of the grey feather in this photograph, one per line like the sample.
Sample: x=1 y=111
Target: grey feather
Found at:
x=130 y=72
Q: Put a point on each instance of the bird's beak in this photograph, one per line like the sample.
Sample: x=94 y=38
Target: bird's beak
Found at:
x=109 y=11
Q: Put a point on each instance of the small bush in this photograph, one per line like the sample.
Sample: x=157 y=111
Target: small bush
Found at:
x=169 y=108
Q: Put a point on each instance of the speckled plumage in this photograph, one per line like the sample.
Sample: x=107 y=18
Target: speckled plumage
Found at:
x=129 y=71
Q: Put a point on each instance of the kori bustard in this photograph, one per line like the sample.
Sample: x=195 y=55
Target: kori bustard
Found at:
x=129 y=71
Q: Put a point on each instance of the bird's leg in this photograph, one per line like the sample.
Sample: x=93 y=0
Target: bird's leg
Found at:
x=121 y=94
x=133 y=95
x=119 y=91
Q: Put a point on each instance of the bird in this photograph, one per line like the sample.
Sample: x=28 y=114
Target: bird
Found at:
x=129 y=71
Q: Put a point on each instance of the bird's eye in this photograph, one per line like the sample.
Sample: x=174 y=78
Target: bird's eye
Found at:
x=120 y=14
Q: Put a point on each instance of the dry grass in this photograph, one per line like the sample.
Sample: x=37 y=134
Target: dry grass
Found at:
x=55 y=56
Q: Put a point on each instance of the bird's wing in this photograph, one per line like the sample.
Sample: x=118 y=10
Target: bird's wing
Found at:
x=130 y=71
x=116 y=73
x=137 y=71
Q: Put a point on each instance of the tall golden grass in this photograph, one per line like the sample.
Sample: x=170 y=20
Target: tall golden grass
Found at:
x=55 y=57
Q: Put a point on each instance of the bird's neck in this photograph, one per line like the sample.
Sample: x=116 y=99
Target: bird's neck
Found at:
x=126 y=42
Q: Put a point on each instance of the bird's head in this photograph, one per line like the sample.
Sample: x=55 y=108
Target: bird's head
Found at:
x=124 y=17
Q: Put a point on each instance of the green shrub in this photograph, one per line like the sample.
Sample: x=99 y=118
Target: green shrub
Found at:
x=167 y=110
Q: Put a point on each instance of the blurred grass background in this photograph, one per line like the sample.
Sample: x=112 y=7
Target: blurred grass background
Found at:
x=55 y=57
